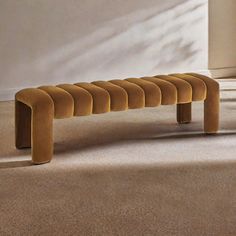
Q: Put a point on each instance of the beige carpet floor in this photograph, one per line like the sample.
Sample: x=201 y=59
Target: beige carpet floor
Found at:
x=127 y=173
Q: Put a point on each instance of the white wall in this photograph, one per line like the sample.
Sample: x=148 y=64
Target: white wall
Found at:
x=54 y=41
x=222 y=37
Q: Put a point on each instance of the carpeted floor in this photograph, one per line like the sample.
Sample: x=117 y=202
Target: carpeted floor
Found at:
x=127 y=173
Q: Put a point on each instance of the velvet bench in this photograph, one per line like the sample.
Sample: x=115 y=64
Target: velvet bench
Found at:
x=35 y=108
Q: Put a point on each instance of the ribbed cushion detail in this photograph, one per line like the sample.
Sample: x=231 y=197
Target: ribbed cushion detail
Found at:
x=184 y=89
x=136 y=95
x=101 y=98
x=118 y=96
x=168 y=90
x=199 y=88
x=63 y=101
x=83 y=101
x=151 y=90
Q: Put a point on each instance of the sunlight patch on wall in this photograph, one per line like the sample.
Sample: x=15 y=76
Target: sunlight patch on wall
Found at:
x=137 y=44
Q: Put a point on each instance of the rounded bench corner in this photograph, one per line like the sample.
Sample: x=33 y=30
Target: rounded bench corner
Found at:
x=34 y=97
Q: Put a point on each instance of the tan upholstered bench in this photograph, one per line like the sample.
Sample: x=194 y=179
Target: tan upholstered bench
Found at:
x=35 y=108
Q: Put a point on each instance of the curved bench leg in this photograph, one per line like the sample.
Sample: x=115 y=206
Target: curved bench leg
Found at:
x=211 y=104
x=184 y=113
x=42 y=136
x=22 y=125
x=34 y=127
x=211 y=114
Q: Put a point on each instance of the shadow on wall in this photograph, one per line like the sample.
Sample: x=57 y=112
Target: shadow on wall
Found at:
x=50 y=47
x=173 y=40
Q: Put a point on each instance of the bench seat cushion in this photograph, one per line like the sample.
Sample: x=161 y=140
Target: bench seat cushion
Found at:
x=81 y=99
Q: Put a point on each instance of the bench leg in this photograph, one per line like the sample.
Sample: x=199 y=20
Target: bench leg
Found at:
x=22 y=125
x=34 y=128
x=211 y=104
x=211 y=114
x=184 y=113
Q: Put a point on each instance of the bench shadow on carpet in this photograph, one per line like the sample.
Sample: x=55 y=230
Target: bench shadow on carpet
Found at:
x=78 y=144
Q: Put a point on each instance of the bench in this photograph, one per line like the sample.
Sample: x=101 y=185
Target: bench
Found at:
x=35 y=108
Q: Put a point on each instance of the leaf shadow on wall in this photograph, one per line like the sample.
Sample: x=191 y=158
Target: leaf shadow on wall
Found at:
x=160 y=41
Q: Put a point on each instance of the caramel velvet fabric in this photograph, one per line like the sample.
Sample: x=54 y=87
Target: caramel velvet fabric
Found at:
x=168 y=90
x=211 y=103
x=101 y=98
x=184 y=89
x=136 y=95
x=119 y=97
x=63 y=101
x=199 y=88
x=34 y=112
x=209 y=92
x=83 y=100
x=151 y=91
x=35 y=108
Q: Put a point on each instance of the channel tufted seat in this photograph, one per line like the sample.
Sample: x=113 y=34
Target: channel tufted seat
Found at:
x=35 y=108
